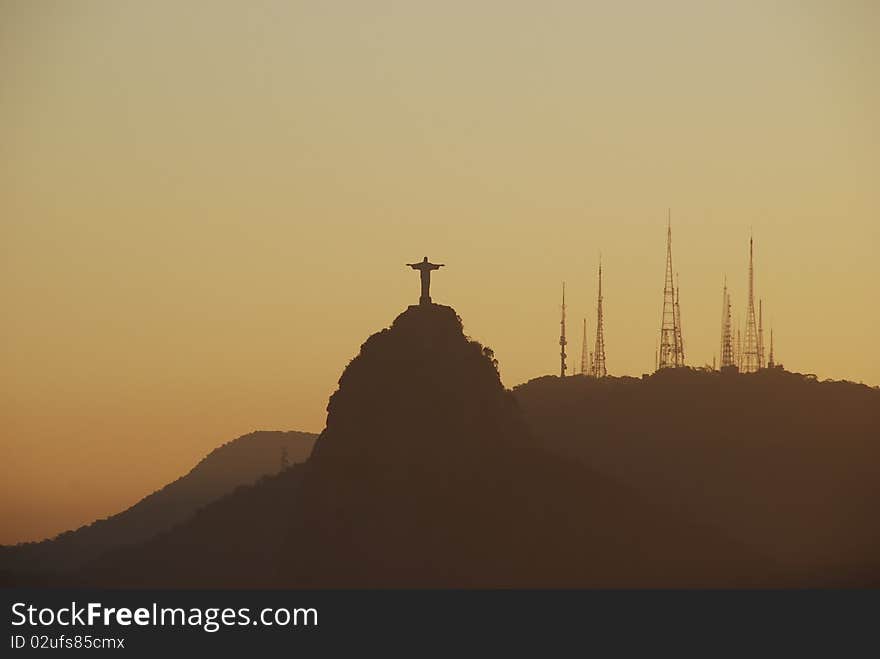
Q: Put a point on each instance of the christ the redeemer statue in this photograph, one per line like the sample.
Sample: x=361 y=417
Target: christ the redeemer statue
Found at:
x=424 y=267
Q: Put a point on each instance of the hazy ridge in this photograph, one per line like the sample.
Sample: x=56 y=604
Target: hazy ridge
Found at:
x=241 y=461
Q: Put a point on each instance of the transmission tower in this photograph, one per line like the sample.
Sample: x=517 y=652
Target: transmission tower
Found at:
x=739 y=345
x=679 y=341
x=761 y=363
x=770 y=362
x=585 y=353
x=598 y=370
x=670 y=353
x=750 y=348
x=562 y=341
x=728 y=360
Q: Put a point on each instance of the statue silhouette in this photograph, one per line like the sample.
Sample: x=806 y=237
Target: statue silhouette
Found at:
x=424 y=267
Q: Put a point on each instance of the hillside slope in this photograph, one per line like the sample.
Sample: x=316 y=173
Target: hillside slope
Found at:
x=776 y=460
x=239 y=462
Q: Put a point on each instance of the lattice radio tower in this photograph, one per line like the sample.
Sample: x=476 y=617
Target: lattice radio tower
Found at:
x=679 y=341
x=751 y=354
x=738 y=354
x=761 y=362
x=598 y=369
x=562 y=340
x=728 y=360
x=671 y=353
x=586 y=367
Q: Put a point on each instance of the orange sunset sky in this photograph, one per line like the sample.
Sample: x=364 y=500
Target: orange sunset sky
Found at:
x=205 y=207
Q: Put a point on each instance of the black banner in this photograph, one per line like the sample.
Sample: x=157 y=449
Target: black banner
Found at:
x=415 y=623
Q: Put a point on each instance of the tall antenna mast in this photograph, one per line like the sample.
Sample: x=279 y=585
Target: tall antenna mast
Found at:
x=750 y=355
x=728 y=360
x=679 y=341
x=562 y=340
x=739 y=345
x=670 y=331
x=761 y=334
x=770 y=362
x=585 y=353
x=599 y=351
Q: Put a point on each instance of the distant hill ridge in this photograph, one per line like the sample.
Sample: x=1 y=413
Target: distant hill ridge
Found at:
x=778 y=461
x=241 y=461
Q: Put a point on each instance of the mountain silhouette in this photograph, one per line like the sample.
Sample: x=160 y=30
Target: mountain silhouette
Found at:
x=426 y=475
x=239 y=462
x=779 y=461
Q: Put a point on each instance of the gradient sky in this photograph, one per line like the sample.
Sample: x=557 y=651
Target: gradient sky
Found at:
x=205 y=207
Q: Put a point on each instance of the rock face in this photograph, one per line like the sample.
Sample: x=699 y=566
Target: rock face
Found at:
x=427 y=476
x=416 y=395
